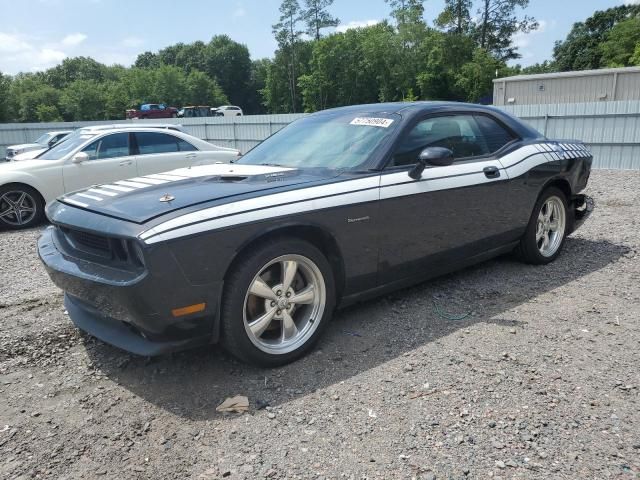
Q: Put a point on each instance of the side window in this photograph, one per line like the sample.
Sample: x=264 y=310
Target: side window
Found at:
x=459 y=133
x=151 y=142
x=185 y=146
x=494 y=134
x=110 y=146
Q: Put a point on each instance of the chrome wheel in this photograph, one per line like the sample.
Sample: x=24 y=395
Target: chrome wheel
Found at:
x=17 y=208
x=550 y=227
x=284 y=304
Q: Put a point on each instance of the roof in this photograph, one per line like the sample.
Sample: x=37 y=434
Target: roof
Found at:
x=125 y=126
x=398 y=107
x=578 y=73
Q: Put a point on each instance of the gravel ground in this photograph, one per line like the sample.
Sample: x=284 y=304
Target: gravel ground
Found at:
x=540 y=381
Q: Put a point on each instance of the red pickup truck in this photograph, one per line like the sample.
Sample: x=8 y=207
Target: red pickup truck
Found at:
x=153 y=110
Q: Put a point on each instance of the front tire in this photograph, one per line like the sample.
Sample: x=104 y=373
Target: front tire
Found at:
x=20 y=207
x=277 y=302
x=547 y=229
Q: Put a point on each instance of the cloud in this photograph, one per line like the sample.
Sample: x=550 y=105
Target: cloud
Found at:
x=12 y=43
x=356 y=24
x=524 y=40
x=18 y=53
x=632 y=2
x=239 y=12
x=132 y=42
x=73 y=39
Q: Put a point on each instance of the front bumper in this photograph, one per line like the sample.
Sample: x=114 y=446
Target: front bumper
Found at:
x=583 y=207
x=131 y=310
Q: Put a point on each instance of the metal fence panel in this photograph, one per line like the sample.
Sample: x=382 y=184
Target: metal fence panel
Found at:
x=611 y=129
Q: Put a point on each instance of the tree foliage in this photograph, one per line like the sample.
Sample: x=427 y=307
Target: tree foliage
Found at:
x=620 y=43
x=582 y=50
x=499 y=22
x=317 y=18
x=456 y=17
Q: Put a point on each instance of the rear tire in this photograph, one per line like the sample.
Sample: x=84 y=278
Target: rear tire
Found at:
x=277 y=302
x=20 y=207
x=547 y=229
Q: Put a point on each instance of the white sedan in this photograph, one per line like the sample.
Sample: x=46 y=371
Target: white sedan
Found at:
x=93 y=156
x=43 y=142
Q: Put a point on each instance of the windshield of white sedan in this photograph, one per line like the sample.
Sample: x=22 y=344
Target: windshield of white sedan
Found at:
x=343 y=142
x=61 y=149
x=43 y=139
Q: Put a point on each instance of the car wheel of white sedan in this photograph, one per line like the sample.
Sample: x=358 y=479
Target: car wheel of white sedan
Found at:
x=20 y=207
x=277 y=302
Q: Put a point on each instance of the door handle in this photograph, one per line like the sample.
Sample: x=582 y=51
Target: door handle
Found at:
x=126 y=162
x=491 y=172
x=190 y=155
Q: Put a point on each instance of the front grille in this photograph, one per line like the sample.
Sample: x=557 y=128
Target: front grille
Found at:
x=95 y=242
x=100 y=248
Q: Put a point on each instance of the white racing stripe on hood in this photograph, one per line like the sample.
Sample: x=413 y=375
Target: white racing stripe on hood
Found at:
x=138 y=183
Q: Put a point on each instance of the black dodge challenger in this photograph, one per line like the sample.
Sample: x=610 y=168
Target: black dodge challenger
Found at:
x=337 y=207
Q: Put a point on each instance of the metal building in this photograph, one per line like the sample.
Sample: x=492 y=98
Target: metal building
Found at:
x=584 y=86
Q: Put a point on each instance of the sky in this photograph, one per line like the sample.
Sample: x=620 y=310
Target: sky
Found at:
x=38 y=34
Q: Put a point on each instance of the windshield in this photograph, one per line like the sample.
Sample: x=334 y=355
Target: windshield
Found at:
x=43 y=139
x=70 y=143
x=327 y=141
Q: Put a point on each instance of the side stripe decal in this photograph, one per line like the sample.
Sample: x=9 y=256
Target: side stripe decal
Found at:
x=356 y=191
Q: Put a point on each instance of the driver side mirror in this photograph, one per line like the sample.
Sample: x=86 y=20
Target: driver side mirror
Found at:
x=80 y=157
x=436 y=156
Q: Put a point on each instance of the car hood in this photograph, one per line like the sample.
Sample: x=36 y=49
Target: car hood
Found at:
x=23 y=166
x=24 y=146
x=28 y=155
x=142 y=199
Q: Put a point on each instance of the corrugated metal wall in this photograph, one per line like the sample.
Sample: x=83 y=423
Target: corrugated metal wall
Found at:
x=611 y=129
x=621 y=84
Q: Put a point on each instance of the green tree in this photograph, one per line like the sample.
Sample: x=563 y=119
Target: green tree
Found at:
x=287 y=34
x=317 y=17
x=277 y=93
x=259 y=72
x=229 y=63
x=499 y=23
x=202 y=90
x=456 y=16
x=27 y=92
x=475 y=78
x=72 y=69
x=407 y=11
x=48 y=113
x=170 y=85
x=5 y=87
x=147 y=60
x=544 y=67
x=581 y=49
x=635 y=60
x=83 y=100
x=619 y=47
